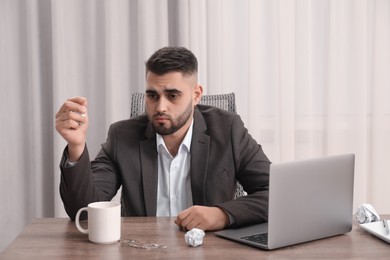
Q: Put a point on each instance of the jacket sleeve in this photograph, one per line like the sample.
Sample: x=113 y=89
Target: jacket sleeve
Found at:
x=82 y=183
x=252 y=171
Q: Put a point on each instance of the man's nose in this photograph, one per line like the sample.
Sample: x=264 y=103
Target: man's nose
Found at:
x=162 y=104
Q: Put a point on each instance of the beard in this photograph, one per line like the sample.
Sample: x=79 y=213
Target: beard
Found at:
x=176 y=124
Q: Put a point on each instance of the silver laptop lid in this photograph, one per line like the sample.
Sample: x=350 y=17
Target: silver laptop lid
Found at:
x=310 y=199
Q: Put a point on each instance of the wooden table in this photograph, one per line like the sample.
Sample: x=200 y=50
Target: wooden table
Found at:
x=56 y=238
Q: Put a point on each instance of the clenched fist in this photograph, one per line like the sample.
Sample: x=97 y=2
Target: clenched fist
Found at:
x=72 y=125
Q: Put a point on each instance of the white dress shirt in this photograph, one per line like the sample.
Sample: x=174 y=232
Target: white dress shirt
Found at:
x=174 y=192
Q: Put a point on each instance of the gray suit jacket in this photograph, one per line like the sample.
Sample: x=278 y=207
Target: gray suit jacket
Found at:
x=222 y=152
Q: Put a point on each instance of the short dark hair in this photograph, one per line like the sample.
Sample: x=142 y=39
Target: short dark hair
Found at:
x=172 y=59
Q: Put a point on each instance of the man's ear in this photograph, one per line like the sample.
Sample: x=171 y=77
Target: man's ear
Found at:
x=198 y=91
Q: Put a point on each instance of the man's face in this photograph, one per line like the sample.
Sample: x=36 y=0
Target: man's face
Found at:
x=170 y=101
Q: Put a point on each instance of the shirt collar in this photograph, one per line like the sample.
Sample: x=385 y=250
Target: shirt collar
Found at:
x=185 y=143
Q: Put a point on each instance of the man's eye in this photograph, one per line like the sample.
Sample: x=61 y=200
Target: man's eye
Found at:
x=172 y=96
x=151 y=96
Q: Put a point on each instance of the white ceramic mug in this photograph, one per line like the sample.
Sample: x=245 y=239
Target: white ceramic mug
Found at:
x=104 y=222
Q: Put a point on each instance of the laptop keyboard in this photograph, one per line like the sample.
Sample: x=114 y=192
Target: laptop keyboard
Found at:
x=258 y=238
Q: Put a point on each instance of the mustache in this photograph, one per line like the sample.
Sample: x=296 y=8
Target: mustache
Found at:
x=159 y=114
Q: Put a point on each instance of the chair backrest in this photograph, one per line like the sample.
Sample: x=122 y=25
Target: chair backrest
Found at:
x=223 y=101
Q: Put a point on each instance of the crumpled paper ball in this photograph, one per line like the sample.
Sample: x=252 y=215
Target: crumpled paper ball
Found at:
x=194 y=237
x=366 y=214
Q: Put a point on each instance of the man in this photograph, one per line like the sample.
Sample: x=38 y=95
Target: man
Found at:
x=180 y=159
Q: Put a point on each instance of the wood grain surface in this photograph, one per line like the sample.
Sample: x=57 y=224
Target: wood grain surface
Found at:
x=58 y=238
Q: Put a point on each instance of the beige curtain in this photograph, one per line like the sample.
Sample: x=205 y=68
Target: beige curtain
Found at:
x=311 y=78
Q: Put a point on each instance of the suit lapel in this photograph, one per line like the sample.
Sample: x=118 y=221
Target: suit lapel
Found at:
x=199 y=158
x=149 y=168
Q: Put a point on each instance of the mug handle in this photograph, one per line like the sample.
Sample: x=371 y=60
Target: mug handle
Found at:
x=82 y=230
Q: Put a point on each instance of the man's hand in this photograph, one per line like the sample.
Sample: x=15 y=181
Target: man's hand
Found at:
x=202 y=217
x=72 y=125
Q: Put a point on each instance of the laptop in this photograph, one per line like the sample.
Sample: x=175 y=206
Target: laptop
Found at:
x=308 y=200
